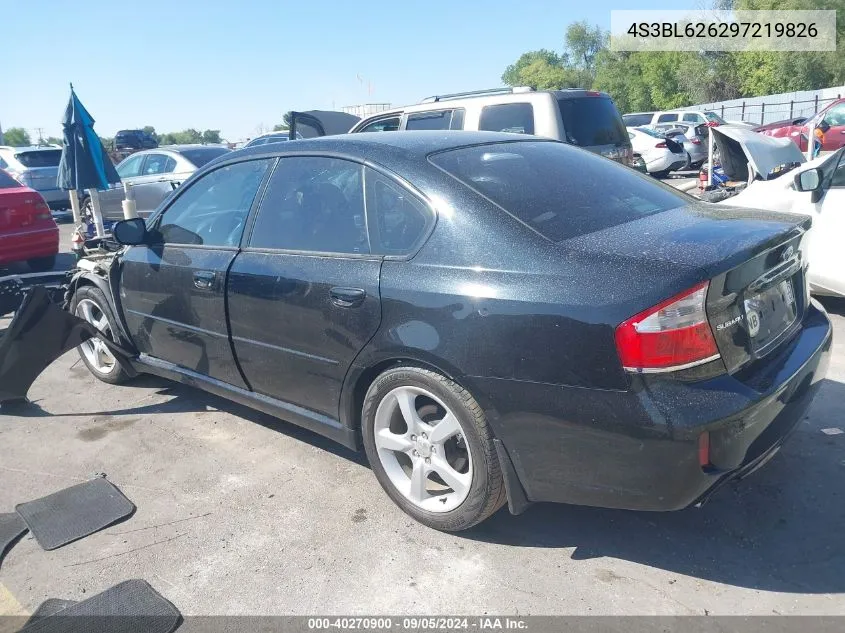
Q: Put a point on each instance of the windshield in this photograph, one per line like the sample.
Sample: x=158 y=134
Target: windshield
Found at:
x=557 y=190
x=715 y=118
x=202 y=155
x=40 y=158
x=590 y=121
x=7 y=182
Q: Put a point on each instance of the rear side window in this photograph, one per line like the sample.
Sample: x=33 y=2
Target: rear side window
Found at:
x=7 y=182
x=390 y=124
x=556 y=190
x=636 y=120
x=40 y=158
x=313 y=204
x=397 y=219
x=590 y=121
x=507 y=117
x=436 y=120
x=202 y=155
x=667 y=117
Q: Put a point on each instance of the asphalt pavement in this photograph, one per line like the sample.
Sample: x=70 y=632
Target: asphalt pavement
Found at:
x=241 y=513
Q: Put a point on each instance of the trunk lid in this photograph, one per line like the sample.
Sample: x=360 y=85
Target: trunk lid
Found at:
x=42 y=178
x=674 y=146
x=754 y=261
x=19 y=208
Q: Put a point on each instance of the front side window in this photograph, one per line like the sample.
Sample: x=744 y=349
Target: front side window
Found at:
x=507 y=117
x=213 y=210
x=436 y=120
x=389 y=124
x=397 y=219
x=663 y=118
x=131 y=167
x=836 y=115
x=313 y=204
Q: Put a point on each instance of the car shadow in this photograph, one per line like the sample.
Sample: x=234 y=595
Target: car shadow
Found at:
x=184 y=399
x=780 y=529
x=834 y=305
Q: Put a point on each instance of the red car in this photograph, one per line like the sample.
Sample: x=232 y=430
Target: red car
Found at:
x=28 y=231
x=798 y=130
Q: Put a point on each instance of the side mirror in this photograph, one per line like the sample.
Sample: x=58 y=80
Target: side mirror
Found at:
x=130 y=232
x=809 y=180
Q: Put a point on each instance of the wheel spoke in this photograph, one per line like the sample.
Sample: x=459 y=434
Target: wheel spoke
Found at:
x=456 y=481
x=393 y=441
x=102 y=323
x=418 y=481
x=86 y=312
x=405 y=399
x=446 y=428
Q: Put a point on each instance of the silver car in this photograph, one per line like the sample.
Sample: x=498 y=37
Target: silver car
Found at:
x=153 y=175
x=695 y=140
x=36 y=168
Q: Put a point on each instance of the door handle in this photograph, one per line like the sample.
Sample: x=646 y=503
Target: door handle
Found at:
x=204 y=279
x=347 y=297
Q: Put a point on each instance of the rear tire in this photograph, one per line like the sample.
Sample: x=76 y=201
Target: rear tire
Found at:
x=42 y=264
x=90 y=303
x=449 y=478
x=660 y=174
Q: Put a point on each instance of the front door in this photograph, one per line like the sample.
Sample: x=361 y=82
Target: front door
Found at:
x=303 y=294
x=173 y=289
x=153 y=185
x=827 y=255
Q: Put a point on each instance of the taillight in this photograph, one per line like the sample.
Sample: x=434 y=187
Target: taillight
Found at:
x=661 y=145
x=42 y=211
x=695 y=140
x=672 y=335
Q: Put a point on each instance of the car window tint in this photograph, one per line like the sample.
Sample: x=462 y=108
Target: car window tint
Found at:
x=390 y=124
x=170 y=165
x=7 y=182
x=130 y=167
x=212 y=211
x=590 y=121
x=313 y=204
x=40 y=158
x=838 y=178
x=507 y=117
x=635 y=120
x=836 y=115
x=667 y=117
x=557 y=190
x=154 y=164
x=437 y=120
x=690 y=116
x=397 y=219
x=201 y=155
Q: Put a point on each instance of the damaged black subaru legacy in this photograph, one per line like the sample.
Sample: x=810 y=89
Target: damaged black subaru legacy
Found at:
x=495 y=318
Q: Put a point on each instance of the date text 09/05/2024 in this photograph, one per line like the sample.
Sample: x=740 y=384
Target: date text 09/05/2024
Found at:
x=418 y=623
x=723 y=29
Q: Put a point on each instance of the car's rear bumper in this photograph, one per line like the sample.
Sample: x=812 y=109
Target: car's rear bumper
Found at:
x=28 y=243
x=639 y=449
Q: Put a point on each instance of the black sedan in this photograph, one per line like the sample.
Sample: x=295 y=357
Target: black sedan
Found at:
x=495 y=318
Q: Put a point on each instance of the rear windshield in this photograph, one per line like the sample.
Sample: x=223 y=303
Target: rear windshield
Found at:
x=635 y=120
x=559 y=191
x=40 y=158
x=592 y=121
x=202 y=155
x=7 y=182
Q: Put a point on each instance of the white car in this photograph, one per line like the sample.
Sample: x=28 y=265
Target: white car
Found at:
x=660 y=154
x=815 y=188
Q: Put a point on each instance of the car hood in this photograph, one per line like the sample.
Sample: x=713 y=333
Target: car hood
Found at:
x=746 y=154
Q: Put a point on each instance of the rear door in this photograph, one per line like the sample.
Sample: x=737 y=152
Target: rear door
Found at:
x=303 y=295
x=152 y=184
x=173 y=290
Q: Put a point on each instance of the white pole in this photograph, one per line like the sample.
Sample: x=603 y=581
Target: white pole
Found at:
x=98 y=216
x=811 y=139
x=74 y=206
x=709 y=156
x=129 y=209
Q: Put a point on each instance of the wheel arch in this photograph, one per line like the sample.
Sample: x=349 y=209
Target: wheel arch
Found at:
x=103 y=284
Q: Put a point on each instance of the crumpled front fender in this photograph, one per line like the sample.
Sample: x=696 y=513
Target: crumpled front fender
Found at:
x=41 y=332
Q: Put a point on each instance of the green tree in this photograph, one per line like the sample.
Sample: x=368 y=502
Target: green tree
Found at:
x=149 y=129
x=541 y=69
x=281 y=127
x=16 y=137
x=582 y=44
x=53 y=140
x=211 y=136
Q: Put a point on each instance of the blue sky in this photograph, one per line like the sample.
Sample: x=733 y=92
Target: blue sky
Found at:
x=234 y=65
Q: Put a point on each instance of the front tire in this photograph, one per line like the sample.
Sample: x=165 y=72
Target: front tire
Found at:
x=431 y=449
x=90 y=303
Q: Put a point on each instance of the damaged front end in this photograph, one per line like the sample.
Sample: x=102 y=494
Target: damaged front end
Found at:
x=42 y=329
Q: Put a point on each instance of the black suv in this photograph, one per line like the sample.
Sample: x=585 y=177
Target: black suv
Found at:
x=134 y=140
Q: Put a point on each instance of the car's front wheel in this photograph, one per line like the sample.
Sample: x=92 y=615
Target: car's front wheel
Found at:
x=431 y=449
x=90 y=303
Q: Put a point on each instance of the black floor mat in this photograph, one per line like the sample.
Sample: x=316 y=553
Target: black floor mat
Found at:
x=75 y=512
x=51 y=606
x=130 y=607
x=12 y=528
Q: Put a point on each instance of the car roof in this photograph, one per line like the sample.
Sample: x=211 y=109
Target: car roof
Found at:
x=30 y=148
x=412 y=144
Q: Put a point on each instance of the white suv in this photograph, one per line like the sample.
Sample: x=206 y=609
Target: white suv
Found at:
x=585 y=118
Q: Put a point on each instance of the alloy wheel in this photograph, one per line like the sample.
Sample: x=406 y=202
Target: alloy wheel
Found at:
x=95 y=351
x=422 y=449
